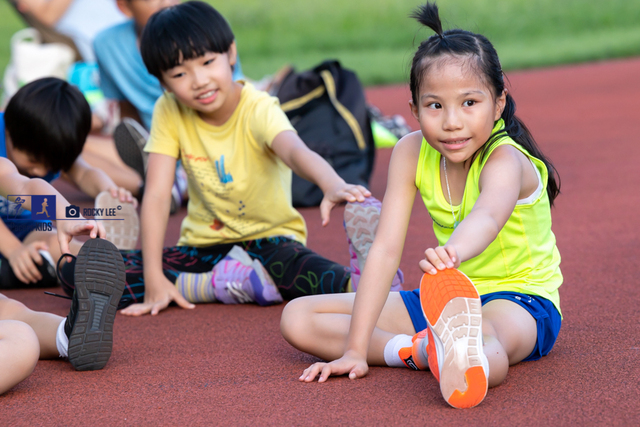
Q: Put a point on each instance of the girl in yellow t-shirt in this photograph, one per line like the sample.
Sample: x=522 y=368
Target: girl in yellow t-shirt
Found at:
x=488 y=189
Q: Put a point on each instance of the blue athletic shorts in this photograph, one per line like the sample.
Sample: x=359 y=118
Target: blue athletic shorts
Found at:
x=547 y=317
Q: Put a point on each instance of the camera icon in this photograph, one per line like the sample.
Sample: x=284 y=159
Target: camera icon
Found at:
x=72 y=211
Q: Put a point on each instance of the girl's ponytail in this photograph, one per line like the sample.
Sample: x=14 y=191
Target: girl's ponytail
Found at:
x=428 y=16
x=517 y=130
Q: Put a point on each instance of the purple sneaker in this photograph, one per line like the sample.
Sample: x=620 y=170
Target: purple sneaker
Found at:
x=361 y=224
x=237 y=279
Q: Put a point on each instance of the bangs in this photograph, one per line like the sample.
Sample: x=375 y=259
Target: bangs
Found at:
x=183 y=32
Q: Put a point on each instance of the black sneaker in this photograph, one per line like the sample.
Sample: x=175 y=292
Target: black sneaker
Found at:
x=130 y=138
x=9 y=280
x=99 y=280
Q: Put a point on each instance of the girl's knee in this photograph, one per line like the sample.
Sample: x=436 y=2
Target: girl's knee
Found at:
x=11 y=309
x=293 y=316
x=20 y=343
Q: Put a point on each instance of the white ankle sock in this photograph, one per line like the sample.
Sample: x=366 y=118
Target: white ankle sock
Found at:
x=391 y=356
x=62 y=341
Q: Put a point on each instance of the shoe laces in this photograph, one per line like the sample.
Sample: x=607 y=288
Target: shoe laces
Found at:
x=53 y=294
x=60 y=278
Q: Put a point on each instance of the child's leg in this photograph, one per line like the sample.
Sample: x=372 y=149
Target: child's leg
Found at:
x=235 y=279
x=45 y=325
x=297 y=270
x=175 y=261
x=509 y=333
x=18 y=352
x=319 y=325
x=472 y=340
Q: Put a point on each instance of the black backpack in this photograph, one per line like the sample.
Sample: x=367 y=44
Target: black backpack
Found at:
x=326 y=105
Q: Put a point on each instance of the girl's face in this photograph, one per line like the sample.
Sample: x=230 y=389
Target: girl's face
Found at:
x=205 y=84
x=456 y=109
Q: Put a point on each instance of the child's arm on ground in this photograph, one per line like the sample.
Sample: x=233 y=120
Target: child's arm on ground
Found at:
x=159 y=291
x=93 y=181
x=500 y=185
x=309 y=165
x=382 y=263
x=22 y=258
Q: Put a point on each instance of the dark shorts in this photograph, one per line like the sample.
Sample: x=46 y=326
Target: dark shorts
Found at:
x=547 y=318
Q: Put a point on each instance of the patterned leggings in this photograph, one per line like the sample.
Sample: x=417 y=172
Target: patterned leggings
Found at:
x=296 y=270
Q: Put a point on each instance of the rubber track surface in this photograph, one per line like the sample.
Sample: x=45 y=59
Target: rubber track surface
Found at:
x=228 y=365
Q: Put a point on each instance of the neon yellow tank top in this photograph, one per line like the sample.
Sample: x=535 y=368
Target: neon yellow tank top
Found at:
x=523 y=258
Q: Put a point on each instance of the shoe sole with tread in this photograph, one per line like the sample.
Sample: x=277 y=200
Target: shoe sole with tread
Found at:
x=453 y=311
x=124 y=229
x=128 y=147
x=99 y=282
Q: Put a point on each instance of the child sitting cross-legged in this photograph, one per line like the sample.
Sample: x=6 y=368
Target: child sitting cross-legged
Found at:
x=489 y=296
x=238 y=150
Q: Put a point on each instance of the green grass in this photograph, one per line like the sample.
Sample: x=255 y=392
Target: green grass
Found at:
x=377 y=39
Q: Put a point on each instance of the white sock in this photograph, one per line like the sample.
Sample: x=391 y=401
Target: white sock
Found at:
x=391 y=356
x=62 y=340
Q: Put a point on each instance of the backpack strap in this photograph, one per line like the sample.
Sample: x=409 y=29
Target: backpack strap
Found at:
x=299 y=102
x=330 y=85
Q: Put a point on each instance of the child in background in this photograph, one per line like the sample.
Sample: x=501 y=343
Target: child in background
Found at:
x=488 y=189
x=123 y=75
x=42 y=132
x=237 y=147
x=85 y=336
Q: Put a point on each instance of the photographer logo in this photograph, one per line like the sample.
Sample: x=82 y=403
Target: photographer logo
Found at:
x=72 y=211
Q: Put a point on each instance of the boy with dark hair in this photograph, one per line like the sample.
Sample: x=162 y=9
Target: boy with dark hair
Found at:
x=238 y=149
x=42 y=132
x=85 y=336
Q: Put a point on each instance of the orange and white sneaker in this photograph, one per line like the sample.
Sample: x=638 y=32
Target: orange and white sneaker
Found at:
x=453 y=310
x=415 y=357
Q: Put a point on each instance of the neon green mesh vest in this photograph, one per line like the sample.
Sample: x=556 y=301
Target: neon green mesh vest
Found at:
x=523 y=258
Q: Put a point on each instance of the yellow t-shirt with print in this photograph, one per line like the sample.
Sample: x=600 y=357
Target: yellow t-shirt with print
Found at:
x=238 y=188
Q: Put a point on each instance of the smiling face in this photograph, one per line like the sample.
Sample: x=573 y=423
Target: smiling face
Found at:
x=456 y=109
x=206 y=85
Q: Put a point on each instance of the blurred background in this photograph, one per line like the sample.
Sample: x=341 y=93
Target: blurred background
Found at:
x=377 y=39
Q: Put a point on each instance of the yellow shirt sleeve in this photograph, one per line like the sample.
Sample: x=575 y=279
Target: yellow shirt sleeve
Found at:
x=163 y=138
x=268 y=120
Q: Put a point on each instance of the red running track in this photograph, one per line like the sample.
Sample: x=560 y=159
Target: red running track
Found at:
x=228 y=365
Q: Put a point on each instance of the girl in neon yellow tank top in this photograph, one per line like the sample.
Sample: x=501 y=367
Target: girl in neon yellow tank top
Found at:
x=488 y=189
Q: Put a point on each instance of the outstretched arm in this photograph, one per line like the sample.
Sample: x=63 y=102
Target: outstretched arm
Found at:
x=93 y=181
x=309 y=165
x=382 y=262
x=501 y=183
